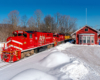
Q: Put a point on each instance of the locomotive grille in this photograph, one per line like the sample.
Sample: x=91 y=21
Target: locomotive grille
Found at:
x=5 y=56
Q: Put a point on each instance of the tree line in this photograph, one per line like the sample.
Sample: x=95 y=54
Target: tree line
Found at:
x=37 y=22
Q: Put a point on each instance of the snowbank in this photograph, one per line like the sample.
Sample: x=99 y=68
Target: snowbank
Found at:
x=82 y=65
x=55 y=59
x=64 y=46
x=33 y=74
x=75 y=71
x=2 y=44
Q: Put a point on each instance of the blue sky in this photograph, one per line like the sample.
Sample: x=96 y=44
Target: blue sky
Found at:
x=74 y=8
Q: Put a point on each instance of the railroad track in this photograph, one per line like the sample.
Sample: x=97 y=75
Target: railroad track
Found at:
x=3 y=64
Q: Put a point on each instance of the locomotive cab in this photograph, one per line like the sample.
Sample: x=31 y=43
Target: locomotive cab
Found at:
x=12 y=50
x=20 y=34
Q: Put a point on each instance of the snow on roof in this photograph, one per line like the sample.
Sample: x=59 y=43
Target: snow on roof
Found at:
x=83 y=27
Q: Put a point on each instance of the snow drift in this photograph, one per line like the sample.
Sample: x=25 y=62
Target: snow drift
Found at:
x=64 y=46
x=2 y=44
x=83 y=64
x=55 y=59
x=33 y=74
x=75 y=70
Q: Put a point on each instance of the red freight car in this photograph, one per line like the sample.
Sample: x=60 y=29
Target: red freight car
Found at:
x=58 y=38
x=23 y=43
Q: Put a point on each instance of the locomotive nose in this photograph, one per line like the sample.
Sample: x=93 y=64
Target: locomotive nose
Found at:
x=5 y=57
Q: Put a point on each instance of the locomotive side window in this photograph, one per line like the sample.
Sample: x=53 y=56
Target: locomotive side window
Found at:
x=19 y=34
x=57 y=36
x=25 y=35
x=30 y=35
x=54 y=35
x=14 y=34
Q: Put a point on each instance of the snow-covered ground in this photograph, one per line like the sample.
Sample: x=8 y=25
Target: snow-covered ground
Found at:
x=64 y=62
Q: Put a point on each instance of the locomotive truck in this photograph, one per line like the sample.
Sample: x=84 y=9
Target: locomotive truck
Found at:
x=25 y=43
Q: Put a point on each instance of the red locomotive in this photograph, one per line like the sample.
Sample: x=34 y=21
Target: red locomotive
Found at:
x=24 y=43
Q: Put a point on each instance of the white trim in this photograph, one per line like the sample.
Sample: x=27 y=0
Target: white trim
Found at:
x=83 y=27
x=35 y=47
x=17 y=42
x=39 y=46
x=15 y=47
x=93 y=39
x=8 y=41
x=86 y=34
x=86 y=39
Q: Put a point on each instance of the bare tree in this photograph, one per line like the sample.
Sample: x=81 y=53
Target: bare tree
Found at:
x=38 y=16
x=49 y=23
x=65 y=23
x=5 y=21
x=31 y=23
x=24 y=20
x=14 y=17
x=72 y=25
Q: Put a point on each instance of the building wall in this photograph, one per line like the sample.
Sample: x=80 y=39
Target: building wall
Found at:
x=99 y=39
x=82 y=31
x=73 y=36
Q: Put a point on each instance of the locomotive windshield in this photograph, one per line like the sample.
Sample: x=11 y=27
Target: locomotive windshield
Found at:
x=14 y=34
x=19 y=34
x=22 y=34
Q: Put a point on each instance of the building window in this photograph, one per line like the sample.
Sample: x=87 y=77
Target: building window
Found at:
x=92 y=39
x=86 y=29
x=80 y=39
x=30 y=35
x=88 y=39
x=84 y=39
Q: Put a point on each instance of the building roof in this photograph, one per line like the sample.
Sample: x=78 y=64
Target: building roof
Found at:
x=86 y=26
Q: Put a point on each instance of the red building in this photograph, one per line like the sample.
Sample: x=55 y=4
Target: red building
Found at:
x=87 y=36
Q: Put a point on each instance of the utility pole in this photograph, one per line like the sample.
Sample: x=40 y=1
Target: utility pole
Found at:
x=86 y=16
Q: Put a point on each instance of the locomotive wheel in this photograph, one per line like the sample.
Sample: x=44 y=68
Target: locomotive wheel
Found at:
x=51 y=45
x=58 y=43
x=32 y=52
x=36 y=50
x=27 y=54
x=22 y=55
x=48 y=46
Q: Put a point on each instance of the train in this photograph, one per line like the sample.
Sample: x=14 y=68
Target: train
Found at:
x=25 y=43
x=67 y=36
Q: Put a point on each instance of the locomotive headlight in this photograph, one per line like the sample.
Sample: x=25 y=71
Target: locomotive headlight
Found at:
x=24 y=42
